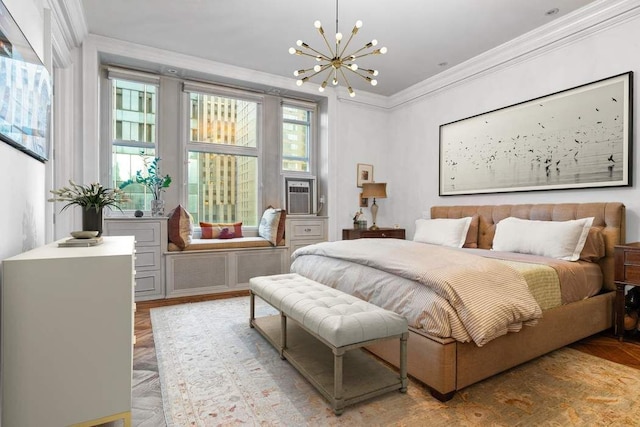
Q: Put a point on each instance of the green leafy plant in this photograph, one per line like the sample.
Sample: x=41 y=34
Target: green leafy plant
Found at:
x=152 y=179
x=90 y=196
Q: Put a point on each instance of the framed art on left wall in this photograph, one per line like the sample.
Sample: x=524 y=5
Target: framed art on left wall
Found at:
x=364 y=174
x=25 y=90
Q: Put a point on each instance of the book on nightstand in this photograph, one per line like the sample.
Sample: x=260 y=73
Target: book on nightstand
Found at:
x=80 y=243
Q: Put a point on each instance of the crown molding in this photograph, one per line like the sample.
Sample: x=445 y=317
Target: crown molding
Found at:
x=68 y=29
x=565 y=30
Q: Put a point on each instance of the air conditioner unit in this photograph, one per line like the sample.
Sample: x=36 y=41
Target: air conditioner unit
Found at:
x=300 y=195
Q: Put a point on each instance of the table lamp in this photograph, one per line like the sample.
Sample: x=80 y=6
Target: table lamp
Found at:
x=375 y=190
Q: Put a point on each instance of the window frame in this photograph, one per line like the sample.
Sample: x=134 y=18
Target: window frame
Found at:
x=106 y=155
x=312 y=136
x=188 y=146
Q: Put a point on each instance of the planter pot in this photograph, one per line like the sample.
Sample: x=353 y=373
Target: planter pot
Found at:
x=92 y=220
x=157 y=208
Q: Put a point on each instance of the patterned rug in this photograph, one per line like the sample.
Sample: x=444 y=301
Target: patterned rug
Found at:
x=215 y=370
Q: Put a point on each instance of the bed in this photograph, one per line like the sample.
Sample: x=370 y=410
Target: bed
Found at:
x=447 y=362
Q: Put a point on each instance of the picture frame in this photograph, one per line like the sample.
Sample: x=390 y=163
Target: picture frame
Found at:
x=363 y=201
x=576 y=138
x=364 y=174
x=26 y=89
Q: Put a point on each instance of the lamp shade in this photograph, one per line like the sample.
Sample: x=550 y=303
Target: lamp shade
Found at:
x=376 y=190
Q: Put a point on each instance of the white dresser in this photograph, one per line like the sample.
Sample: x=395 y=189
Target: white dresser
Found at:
x=303 y=230
x=151 y=240
x=67 y=335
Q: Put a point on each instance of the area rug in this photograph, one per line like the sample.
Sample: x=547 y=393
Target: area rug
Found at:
x=215 y=370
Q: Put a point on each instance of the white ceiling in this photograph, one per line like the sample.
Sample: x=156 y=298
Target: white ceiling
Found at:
x=419 y=34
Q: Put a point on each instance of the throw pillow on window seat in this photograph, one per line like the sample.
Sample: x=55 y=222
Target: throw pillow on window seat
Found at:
x=212 y=230
x=271 y=226
x=180 y=227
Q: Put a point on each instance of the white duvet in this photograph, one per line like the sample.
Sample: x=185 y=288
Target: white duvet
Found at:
x=446 y=292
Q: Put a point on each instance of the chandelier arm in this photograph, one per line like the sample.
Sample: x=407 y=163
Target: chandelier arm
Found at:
x=326 y=58
x=346 y=45
x=357 y=73
x=324 y=67
x=327 y=43
x=345 y=79
x=319 y=53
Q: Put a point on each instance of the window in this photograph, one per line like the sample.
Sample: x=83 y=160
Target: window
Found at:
x=297 y=131
x=223 y=158
x=133 y=135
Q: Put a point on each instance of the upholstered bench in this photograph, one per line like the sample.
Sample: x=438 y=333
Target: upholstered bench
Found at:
x=341 y=322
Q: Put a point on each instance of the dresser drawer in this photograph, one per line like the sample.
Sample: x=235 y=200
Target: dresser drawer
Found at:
x=148 y=258
x=383 y=234
x=631 y=273
x=145 y=233
x=309 y=229
x=632 y=257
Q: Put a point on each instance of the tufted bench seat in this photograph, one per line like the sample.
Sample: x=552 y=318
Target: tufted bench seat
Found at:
x=341 y=321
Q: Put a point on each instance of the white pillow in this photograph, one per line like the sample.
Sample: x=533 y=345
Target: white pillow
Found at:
x=442 y=231
x=268 y=228
x=553 y=239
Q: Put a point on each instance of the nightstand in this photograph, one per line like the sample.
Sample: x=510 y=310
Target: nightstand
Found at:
x=380 y=233
x=627 y=273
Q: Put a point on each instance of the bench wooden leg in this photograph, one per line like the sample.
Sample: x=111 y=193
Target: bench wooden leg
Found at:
x=338 y=398
x=403 y=362
x=252 y=308
x=283 y=334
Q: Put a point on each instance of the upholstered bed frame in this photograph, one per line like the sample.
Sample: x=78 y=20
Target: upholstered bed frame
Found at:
x=446 y=365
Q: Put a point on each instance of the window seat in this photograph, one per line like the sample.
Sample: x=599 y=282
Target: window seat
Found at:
x=205 y=244
x=208 y=266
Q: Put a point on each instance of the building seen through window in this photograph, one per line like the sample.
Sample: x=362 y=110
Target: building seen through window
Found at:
x=223 y=159
x=134 y=119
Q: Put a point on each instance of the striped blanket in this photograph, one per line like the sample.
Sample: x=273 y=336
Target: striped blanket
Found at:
x=447 y=292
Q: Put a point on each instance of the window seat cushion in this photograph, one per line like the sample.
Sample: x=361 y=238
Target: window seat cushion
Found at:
x=236 y=243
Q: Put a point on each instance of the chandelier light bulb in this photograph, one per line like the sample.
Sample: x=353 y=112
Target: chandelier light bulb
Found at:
x=351 y=92
x=318 y=58
x=383 y=50
x=317 y=24
x=334 y=81
x=354 y=67
x=375 y=72
x=317 y=68
x=292 y=51
x=358 y=24
x=374 y=82
x=374 y=42
x=296 y=73
x=299 y=82
x=338 y=37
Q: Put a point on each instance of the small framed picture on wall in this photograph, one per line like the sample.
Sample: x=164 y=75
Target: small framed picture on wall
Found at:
x=364 y=202
x=365 y=174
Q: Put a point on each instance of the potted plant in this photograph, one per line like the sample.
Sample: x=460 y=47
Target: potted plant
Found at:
x=154 y=181
x=93 y=198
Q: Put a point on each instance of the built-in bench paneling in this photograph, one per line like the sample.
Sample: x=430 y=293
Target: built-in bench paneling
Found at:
x=221 y=270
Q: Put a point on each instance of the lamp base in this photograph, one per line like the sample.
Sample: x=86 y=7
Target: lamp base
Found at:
x=374 y=227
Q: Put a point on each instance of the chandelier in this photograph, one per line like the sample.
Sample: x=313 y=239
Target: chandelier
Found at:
x=332 y=65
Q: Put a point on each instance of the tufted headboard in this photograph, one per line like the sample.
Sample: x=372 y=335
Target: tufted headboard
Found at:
x=609 y=217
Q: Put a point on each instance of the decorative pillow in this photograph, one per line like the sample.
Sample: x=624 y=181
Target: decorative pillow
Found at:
x=226 y=233
x=268 y=228
x=235 y=227
x=594 y=247
x=554 y=239
x=209 y=232
x=442 y=231
x=180 y=227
